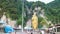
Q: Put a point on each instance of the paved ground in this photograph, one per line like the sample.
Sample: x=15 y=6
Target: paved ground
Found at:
x=24 y=32
x=19 y=32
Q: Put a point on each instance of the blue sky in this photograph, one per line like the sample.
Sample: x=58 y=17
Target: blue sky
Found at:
x=45 y=1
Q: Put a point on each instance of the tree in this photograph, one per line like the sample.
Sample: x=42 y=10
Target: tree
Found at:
x=52 y=11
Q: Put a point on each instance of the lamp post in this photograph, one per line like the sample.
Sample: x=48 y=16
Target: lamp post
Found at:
x=22 y=14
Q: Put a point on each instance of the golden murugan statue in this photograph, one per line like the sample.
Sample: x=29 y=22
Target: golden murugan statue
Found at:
x=34 y=21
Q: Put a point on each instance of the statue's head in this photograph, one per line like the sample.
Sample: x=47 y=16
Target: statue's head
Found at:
x=34 y=13
x=4 y=13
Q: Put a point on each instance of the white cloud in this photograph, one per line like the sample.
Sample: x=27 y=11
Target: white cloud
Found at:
x=32 y=0
x=45 y=1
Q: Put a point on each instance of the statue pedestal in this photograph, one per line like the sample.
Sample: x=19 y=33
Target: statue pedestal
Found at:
x=36 y=31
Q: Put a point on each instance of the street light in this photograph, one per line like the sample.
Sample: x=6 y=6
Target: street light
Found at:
x=22 y=14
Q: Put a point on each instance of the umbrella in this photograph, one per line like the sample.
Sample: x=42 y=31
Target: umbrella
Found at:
x=8 y=29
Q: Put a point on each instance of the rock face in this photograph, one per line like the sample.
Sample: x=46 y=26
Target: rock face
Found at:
x=3 y=18
x=8 y=20
x=28 y=23
x=12 y=23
